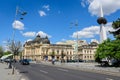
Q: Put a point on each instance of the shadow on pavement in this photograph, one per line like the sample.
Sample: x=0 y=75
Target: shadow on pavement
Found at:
x=23 y=71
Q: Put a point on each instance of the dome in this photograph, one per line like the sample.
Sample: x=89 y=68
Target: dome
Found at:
x=37 y=39
x=94 y=43
x=101 y=20
x=46 y=40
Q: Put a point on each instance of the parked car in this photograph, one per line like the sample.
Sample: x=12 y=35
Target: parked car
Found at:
x=10 y=60
x=104 y=63
x=75 y=60
x=116 y=63
x=24 y=62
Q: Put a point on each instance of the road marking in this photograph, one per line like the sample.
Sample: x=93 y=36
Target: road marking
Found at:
x=43 y=71
x=63 y=70
x=23 y=79
x=109 y=79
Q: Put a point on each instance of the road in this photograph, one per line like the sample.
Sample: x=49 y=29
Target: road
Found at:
x=45 y=72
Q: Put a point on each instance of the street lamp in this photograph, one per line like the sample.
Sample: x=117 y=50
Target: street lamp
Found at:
x=76 y=45
x=16 y=46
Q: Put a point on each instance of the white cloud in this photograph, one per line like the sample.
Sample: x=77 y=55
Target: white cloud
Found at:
x=90 y=32
x=109 y=6
x=87 y=32
x=47 y=7
x=42 y=13
x=33 y=34
x=109 y=27
x=28 y=40
x=43 y=34
x=93 y=29
x=18 y=25
x=29 y=34
x=85 y=2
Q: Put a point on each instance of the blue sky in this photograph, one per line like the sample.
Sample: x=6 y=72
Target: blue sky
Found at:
x=54 y=17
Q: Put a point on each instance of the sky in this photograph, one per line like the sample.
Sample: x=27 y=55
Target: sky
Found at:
x=55 y=19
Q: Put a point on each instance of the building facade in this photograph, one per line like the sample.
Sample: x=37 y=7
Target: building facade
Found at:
x=40 y=49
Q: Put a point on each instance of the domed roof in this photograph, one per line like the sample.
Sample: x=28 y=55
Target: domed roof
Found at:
x=94 y=43
x=46 y=40
x=37 y=39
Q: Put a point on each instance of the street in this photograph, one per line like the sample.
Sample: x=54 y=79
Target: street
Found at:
x=45 y=72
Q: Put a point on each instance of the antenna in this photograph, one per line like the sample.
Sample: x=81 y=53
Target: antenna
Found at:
x=101 y=11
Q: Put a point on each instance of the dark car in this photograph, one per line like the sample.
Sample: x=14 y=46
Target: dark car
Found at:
x=24 y=62
x=116 y=63
x=10 y=60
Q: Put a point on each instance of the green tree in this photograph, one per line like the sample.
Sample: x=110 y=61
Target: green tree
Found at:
x=109 y=49
x=6 y=53
x=116 y=26
x=103 y=50
x=1 y=51
x=116 y=49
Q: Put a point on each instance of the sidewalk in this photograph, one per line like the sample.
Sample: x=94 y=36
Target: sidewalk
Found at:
x=6 y=73
x=92 y=67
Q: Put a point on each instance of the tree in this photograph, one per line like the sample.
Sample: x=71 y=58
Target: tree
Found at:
x=103 y=50
x=15 y=48
x=1 y=51
x=116 y=26
x=116 y=49
x=6 y=53
x=109 y=49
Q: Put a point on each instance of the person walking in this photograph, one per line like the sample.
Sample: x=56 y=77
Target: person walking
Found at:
x=53 y=61
x=10 y=64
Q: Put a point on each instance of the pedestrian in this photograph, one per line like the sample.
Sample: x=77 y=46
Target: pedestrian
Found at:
x=10 y=64
x=53 y=61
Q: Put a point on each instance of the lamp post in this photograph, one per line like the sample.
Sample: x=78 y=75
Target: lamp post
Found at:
x=13 y=43
x=16 y=46
x=76 y=44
